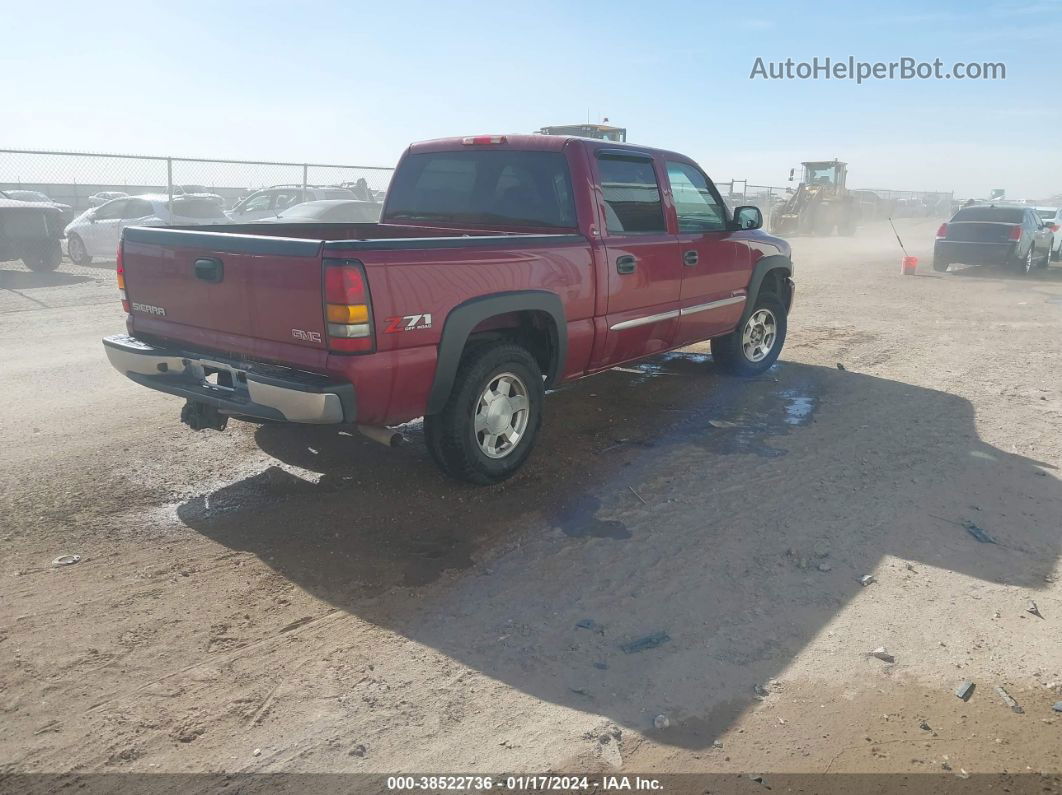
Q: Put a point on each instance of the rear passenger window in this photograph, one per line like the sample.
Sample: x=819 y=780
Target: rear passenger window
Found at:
x=632 y=196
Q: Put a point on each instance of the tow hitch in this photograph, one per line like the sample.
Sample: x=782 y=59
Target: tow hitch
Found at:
x=197 y=416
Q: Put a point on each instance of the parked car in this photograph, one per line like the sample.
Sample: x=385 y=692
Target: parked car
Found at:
x=329 y=211
x=96 y=232
x=993 y=234
x=36 y=196
x=271 y=202
x=502 y=265
x=104 y=196
x=31 y=232
x=198 y=191
x=1052 y=218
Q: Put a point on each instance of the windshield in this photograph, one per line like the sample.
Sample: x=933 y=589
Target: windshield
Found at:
x=489 y=187
x=197 y=208
x=28 y=195
x=1002 y=215
x=1045 y=214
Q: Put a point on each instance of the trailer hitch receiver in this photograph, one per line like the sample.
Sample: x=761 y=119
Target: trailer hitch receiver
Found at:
x=198 y=416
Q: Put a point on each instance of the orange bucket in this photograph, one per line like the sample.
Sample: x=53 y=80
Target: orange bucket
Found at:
x=908 y=266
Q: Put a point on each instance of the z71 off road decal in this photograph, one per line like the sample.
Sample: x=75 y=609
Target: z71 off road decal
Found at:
x=407 y=323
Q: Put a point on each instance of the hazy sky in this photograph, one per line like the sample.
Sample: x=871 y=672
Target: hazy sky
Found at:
x=352 y=82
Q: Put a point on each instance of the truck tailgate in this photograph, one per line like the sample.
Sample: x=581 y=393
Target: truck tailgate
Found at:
x=239 y=286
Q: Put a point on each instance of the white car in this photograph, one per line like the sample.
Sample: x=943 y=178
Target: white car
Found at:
x=329 y=211
x=1052 y=218
x=96 y=232
x=271 y=202
x=104 y=196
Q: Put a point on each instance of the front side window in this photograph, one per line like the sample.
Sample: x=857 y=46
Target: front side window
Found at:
x=137 y=208
x=696 y=206
x=632 y=196
x=111 y=210
x=257 y=204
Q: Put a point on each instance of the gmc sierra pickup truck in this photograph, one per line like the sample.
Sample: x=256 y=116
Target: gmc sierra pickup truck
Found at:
x=501 y=266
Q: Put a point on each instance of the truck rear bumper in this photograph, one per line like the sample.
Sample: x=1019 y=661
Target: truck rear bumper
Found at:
x=240 y=388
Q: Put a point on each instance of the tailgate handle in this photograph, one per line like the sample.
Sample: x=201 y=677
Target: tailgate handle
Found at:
x=209 y=269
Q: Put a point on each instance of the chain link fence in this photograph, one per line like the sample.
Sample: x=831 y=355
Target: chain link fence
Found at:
x=83 y=180
x=875 y=204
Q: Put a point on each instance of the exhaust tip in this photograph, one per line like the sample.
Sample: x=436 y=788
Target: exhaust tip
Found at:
x=385 y=436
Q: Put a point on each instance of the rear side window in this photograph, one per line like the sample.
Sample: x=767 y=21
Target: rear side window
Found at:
x=489 y=187
x=197 y=208
x=632 y=196
x=1002 y=215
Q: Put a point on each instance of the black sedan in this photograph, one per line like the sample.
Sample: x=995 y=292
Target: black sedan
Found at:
x=1014 y=237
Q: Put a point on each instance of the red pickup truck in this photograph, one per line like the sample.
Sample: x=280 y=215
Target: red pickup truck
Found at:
x=501 y=266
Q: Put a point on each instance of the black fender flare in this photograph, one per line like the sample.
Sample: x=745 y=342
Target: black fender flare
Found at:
x=759 y=272
x=466 y=316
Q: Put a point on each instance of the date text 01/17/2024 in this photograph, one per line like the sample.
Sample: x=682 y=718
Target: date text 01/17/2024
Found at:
x=524 y=783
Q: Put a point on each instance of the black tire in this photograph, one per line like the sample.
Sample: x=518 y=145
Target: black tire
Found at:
x=940 y=266
x=75 y=248
x=451 y=435
x=1056 y=254
x=1046 y=261
x=731 y=353
x=1023 y=265
x=46 y=258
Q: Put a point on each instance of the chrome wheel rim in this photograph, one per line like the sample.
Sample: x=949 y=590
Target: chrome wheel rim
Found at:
x=1029 y=260
x=759 y=335
x=501 y=414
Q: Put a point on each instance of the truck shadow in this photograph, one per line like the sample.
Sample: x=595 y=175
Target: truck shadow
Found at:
x=677 y=538
x=26 y=279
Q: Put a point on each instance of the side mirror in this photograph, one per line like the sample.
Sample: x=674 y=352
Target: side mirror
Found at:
x=748 y=217
x=791 y=172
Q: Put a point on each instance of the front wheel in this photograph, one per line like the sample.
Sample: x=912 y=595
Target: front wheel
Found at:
x=756 y=343
x=487 y=428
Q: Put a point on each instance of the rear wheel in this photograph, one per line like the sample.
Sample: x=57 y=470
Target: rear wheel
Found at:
x=79 y=255
x=45 y=258
x=940 y=266
x=1046 y=261
x=1025 y=264
x=487 y=428
x=755 y=345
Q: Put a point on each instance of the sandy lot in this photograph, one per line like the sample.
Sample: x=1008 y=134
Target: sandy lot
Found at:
x=278 y=599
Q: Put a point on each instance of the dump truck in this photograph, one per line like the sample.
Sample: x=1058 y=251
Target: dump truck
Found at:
x=821 y=203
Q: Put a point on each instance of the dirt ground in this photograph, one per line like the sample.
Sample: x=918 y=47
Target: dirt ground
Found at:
x=284 y=599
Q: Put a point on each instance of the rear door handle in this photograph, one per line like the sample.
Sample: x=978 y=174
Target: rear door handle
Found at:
x=625 y=264
x=209 y=269
x=689 y=259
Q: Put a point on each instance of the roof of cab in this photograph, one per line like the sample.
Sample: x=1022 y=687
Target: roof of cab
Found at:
x=537 y=142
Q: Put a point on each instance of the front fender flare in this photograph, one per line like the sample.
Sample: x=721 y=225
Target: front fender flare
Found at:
x=759 y=272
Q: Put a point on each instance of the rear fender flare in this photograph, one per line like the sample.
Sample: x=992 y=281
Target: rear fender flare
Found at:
x=466 y=316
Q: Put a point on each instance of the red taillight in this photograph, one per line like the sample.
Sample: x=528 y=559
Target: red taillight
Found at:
x=347 y=315
x=1053 y=227
x=1015 y=232
x=476 y=140
x=942 y=232
x=120 y=274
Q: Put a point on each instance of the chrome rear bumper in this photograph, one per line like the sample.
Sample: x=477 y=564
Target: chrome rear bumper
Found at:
x=239 y=388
